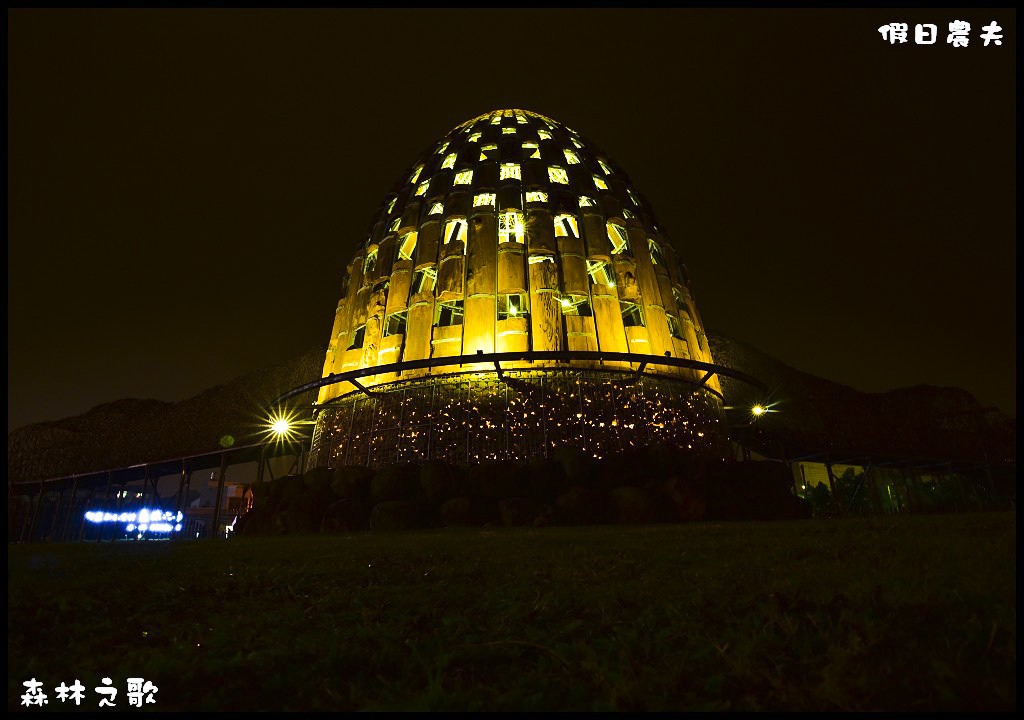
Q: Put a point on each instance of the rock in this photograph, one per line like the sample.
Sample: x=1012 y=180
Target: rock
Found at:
x=256 y=522
x=352 y=481
x=395 y=482
x=306 y=513
x=457 y=512
x=279 y=523
x=396 y=515
x=319 y=478
x=497 y=480
x=578 y=466
x=345 y=515
x=681 y=500
x=580 y=505
x=543 y=520
x=438 y=480
x=631 y=505
x=291 y=487
x=545 y=479
x=518 y=511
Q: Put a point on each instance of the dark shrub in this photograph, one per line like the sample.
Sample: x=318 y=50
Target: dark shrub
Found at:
x=631 y=505
x=352 y=481
x=345 y=515
x=396 y=482
x=439 y=481
x=521 y=511
x=580 y=505
x=396 y=515
x=318 y=478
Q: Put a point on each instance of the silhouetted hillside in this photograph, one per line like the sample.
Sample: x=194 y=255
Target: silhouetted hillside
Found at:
x=128 y=432
x=813 y=415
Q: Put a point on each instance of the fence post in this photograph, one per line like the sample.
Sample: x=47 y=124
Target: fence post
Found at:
x=220 y=494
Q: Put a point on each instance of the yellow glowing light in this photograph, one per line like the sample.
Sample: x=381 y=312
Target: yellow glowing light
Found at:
x=280 y=427
x=757 y=410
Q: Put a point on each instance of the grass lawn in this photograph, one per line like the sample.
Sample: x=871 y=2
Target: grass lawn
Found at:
x=906 y=613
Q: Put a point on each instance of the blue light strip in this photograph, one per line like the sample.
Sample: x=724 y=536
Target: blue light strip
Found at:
x=145 y=520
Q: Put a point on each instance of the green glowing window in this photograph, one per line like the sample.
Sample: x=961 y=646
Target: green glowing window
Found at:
x=531 y=151
x=543 y=134
x=566 y=226
x=423 y=280
x=395 y=324
x=510 y=171
x=601 y=184
x=370 y=263
x=627 y=214
x=512 y=306
x=508 y=131
x=633 y=197
x=576 y=143
x=416 y=174
x=357 y=338
x=600 y=273
x=455 y=231
x=510 y=226
x=656 y=257
x=684 y=311
x=422 y=189
x=444 y=146
x=483 y=199
x=571 y=157
x=673 y=327
x=604 y=166
x=475 y=137
x=436 y=209
x=619 y=238
x=536 y=259
x=576 y=305
x=448 y=313
x=586 y=202
x=496 y=119
x=488 y=152
x=394 y=224
x=406 y=245
x=535 y=196
x=632 y=314
x=449 y=161
x=558 y=175
x=520 y=118
x=465 y=177
x=391 y=205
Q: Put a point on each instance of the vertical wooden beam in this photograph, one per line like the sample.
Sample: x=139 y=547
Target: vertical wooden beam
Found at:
x=52 y=534
x=71 y=504
x=106 y=503
x=88 y=506
x=836 y=502
x=220 y=494
x=35 y=513
x=117 y=510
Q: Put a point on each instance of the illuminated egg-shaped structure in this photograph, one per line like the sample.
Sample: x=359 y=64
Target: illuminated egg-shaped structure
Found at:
x=513 y=234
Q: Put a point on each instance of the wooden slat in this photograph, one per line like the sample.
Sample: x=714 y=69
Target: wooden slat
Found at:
x=540 y=232
x=595 y=233
x=511 y=268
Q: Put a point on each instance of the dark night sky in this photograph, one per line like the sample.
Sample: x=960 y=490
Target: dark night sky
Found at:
x=186 y=187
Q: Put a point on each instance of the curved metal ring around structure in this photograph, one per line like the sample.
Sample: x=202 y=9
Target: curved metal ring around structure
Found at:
x=710 y=369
